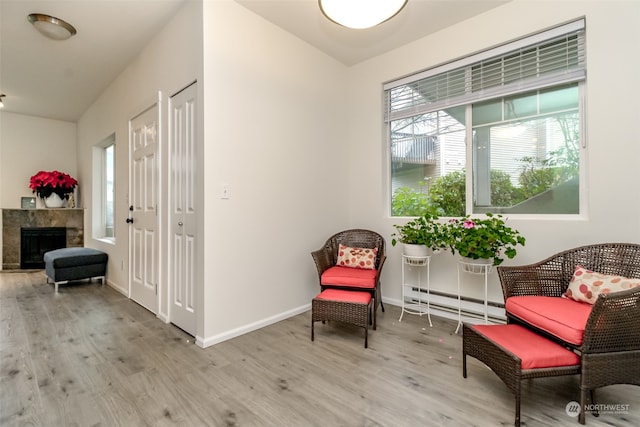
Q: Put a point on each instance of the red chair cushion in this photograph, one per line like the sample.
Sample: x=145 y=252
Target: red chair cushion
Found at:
x=348 y=276
x=533 y=350
x=561 y=317
x=345 y=296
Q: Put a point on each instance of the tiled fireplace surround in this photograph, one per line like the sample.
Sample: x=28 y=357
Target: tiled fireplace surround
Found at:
x=14 y=219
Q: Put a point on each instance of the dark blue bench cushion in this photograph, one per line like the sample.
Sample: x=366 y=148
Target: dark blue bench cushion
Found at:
x=74 y=257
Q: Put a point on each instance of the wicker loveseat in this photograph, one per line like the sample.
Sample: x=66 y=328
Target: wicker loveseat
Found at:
x=606 y=334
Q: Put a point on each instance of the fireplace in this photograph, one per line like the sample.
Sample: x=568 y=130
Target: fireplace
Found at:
x=35 y=241
x=14 y=220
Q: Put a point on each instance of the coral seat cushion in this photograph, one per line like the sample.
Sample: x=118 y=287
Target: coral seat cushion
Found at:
x=345 y=296
x=561 y=317
x=534 y=351
x=348 y=276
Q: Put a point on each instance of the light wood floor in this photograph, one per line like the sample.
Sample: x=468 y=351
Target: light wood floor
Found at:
x=89 y=357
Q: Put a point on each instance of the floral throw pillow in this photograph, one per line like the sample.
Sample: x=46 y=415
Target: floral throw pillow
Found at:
x=364 y=258
x=586 y=285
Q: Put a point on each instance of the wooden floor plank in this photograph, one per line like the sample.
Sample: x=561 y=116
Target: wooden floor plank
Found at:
x=88 y=356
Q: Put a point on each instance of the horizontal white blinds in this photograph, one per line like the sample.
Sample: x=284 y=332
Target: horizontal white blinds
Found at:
x=553 y=57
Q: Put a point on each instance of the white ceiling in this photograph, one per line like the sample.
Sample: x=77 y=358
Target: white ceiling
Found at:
x=416 y=20
x=61 y=79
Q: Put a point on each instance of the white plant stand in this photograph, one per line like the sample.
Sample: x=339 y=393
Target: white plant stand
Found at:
x=418 y=307
x=474 y=267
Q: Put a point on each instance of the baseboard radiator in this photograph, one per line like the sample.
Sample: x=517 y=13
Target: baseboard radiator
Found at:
x=446 y=305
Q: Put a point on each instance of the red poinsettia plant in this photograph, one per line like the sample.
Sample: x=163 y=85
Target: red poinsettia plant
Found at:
x=45 y=183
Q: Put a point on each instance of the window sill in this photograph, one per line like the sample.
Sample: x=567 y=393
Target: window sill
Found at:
x=108 y=240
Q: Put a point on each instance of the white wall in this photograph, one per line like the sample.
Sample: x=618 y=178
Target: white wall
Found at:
x=298 y=138
x=274 y=122
x=170 y=62
x=275 y=127
x=612 y=116
x=29 y=144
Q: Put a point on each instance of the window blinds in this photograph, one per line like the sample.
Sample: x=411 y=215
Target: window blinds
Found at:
x=549 y=58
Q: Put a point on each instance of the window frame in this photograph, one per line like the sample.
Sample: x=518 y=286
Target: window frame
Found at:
x=100 y=190
x=575 y=28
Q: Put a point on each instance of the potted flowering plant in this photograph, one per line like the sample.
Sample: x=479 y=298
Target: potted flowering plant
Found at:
x=44 y=184
x=483 y=238
x=420 y=236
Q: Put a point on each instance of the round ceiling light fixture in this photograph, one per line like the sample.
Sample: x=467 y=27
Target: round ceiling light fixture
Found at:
x=49 y=26
x=360 y=14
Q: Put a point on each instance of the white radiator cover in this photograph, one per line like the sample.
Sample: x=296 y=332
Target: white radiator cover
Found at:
x=446 y=305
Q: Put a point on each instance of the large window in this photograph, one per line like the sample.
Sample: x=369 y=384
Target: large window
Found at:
x=499 y=131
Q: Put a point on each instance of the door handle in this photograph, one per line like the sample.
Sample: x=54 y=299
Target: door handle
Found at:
x=129 y=220
x=180 y=224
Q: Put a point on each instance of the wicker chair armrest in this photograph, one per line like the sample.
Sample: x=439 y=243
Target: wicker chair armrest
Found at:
x=323 y=260
x=381 y=261
x=542 y=279
x=613 y=323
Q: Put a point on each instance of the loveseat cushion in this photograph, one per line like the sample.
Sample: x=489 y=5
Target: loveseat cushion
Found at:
x=560 y=317
x=347 y=276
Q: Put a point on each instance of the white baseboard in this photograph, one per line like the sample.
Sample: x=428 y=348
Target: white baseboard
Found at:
x=446 y=306
x=215 y=339
x=123 y=291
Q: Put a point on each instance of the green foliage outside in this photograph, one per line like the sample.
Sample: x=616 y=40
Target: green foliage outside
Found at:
x=535 y=180
x=446 y=195
x=409 y=201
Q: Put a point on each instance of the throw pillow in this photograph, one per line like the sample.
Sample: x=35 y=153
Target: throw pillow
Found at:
x=357 y=257
x=586 y=285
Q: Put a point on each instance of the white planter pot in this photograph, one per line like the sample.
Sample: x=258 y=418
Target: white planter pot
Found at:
x=54 y=201
x=416 y=250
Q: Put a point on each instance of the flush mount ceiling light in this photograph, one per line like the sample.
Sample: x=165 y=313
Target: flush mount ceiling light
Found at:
x=51 y=27
x=360 y=14
x=2 y=95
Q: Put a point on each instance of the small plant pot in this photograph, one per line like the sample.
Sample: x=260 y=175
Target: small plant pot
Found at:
x=417 y=251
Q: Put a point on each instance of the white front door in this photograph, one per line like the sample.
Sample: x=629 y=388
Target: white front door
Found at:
x=183 y=208
x=143 y=199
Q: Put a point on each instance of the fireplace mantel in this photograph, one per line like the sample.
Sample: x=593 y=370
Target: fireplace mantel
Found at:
x=14 y=219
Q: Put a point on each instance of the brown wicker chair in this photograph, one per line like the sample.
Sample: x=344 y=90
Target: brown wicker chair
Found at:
x=327 y=255
x=610 y=351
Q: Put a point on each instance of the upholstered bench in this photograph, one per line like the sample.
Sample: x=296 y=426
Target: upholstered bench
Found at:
x=352 y=307
x=63 y=265
x=515 y=353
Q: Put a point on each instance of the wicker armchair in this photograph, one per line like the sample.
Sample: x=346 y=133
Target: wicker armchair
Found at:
x=610 y=351
x=326 y=257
